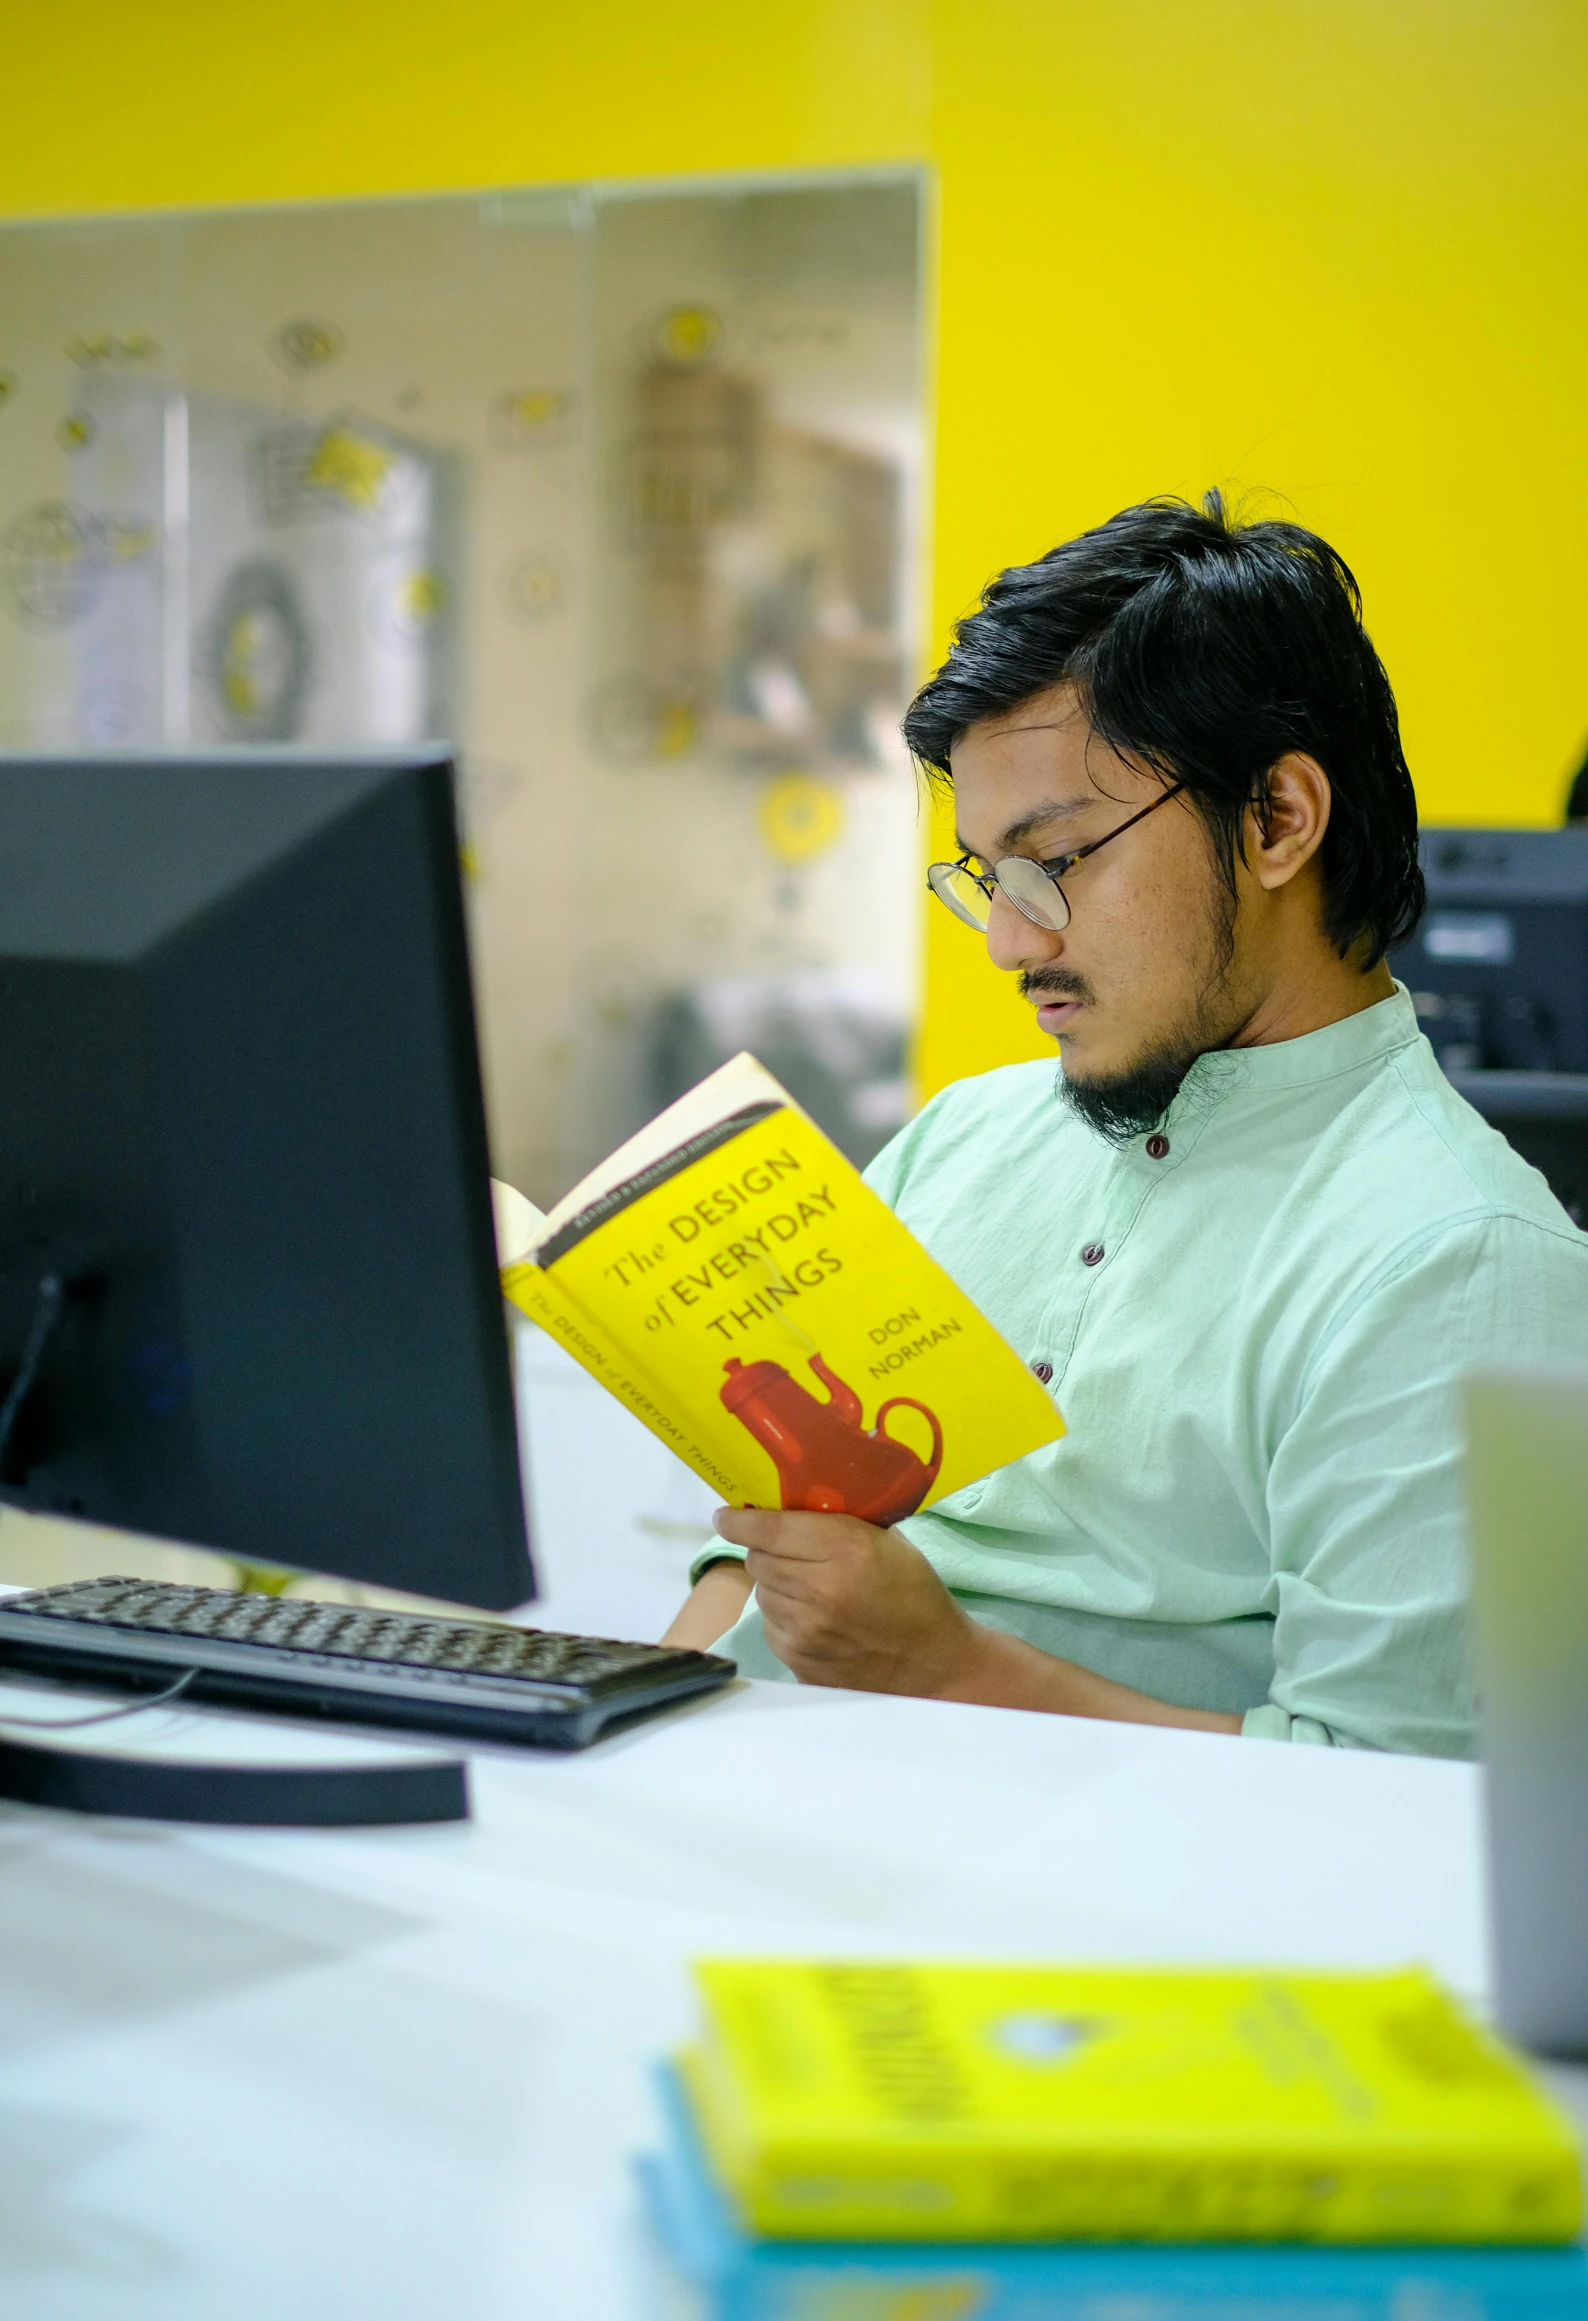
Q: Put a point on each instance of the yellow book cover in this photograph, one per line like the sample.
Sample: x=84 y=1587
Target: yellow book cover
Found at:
x=731 y=1278
x=876 y=2101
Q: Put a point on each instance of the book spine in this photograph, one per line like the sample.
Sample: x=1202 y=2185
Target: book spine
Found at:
x=738 y=2278
x=1319 y=2198
x=864 y=2284
x=719 y=2274
x=538 y=1294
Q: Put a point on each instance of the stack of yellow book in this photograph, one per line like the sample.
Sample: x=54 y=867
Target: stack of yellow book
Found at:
x=889 y=2142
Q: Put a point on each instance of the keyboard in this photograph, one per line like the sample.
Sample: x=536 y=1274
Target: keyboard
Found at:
x=482 y=1679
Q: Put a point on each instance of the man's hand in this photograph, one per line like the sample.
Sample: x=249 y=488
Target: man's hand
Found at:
x=844 y=1603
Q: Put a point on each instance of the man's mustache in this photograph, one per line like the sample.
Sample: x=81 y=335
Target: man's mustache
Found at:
x=1058 y=982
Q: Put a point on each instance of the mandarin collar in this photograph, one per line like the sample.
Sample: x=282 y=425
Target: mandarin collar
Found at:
x=1347 y=1046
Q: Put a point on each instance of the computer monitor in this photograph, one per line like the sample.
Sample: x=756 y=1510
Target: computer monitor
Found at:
x=248 y=1284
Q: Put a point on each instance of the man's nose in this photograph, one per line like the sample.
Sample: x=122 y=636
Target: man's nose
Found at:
x=1016 y=943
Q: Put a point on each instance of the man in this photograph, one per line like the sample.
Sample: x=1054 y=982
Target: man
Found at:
x=1250 y=1232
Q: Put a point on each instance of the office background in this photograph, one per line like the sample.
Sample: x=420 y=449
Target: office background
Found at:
x=1324 y=246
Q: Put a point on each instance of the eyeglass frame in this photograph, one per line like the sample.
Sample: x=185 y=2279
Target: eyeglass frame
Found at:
x=1053 y=870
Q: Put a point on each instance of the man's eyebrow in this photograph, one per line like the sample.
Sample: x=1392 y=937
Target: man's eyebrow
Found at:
x=1051 y=810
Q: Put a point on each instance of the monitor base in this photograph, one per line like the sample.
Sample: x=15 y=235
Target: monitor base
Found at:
x=143 y=1788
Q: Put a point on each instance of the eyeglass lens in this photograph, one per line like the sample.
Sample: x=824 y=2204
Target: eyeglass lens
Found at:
x=954 y=885
x=1032 y=893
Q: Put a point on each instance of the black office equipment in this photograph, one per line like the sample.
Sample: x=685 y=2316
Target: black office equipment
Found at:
x=248 y=1283
x=179 y=1789
x=1498 y=971
x=1499 y=966
x=243 y=1165
x=480 y=1678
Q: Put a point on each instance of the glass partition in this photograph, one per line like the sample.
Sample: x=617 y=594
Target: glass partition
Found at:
x=618 y=490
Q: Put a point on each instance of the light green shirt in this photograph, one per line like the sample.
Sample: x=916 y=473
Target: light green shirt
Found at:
x=1255 y=1339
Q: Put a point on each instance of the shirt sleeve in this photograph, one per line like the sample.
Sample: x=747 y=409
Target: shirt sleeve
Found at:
x=1365 y=1504
x=715 y=1551
x=1271 y=1723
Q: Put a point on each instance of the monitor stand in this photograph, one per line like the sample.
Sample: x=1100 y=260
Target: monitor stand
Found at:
x=260 y=1775
x=89 y=1780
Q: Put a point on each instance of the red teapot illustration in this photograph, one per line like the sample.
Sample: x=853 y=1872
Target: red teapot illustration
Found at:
x=825 y=1459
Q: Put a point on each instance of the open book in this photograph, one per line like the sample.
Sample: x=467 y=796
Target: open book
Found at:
x=727 y=1275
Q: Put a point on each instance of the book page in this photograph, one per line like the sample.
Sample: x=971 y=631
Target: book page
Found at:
x=519 y=1224
x=736 y=1084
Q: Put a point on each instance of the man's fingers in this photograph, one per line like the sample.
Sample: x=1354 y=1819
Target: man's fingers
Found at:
x=802 y=1538
x=796 y=1580
x=747 y=1526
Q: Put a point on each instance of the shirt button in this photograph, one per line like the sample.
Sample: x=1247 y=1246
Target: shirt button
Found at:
x=1157 y=1147
x=1042 y=1372
x=1092 y=1254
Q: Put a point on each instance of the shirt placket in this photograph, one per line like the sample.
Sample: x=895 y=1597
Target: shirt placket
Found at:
x=1105 y=1222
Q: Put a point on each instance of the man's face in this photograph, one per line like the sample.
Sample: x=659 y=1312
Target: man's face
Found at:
x=1140 y=982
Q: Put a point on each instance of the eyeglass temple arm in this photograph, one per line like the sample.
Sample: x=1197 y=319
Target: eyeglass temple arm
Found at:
x=1055 y=870
x=1119 y=829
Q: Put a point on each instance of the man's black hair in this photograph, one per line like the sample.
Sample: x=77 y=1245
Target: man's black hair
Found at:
x=1577 y=795
x=1205 y=649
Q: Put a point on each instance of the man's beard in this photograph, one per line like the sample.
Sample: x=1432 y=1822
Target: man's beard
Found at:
x=1122 y=1105
x=1127 y=1104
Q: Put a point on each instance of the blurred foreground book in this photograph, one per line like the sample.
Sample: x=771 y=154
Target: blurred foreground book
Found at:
x=873 y=2101
x=724 y=2273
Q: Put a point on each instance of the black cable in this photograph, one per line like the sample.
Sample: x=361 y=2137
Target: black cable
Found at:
x=47 y=1312
x=131 y=1708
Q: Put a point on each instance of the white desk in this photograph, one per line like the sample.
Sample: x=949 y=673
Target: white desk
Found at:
x=398 y=2075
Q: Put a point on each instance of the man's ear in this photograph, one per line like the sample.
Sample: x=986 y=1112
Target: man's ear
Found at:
x=1283 y=840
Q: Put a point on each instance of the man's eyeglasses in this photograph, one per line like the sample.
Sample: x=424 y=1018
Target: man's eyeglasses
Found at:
x=1033 y=887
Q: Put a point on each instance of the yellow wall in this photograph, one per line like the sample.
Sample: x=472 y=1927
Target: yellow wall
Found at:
x=1329 y=247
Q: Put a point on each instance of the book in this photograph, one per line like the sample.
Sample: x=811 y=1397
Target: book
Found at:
x=729 y=1276
x=938 y=2102
x=721 y=2272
